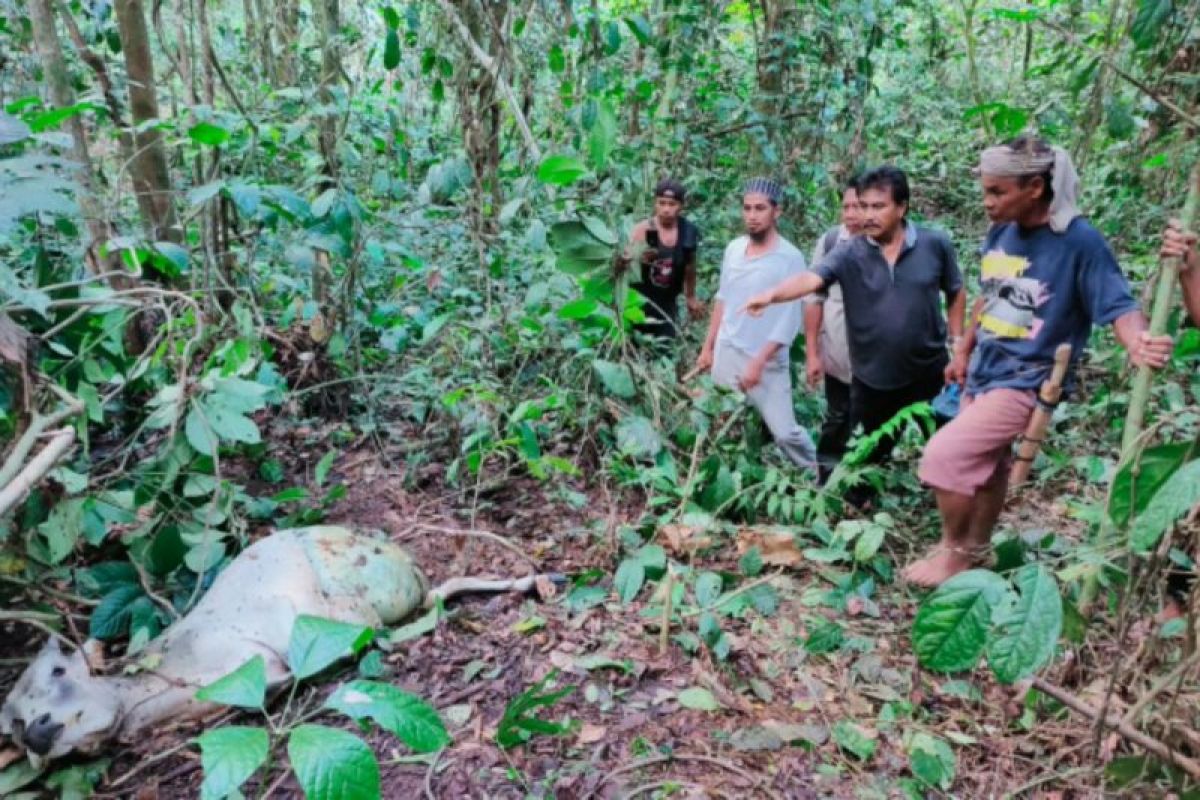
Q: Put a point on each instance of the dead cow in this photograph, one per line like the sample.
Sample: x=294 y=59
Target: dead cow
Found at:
x=58 y=706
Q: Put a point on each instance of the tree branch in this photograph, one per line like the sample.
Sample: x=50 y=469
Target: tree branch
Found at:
x=490 y=64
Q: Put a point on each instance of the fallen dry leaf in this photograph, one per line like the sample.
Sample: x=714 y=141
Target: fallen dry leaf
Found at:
x=590 y=734
x=684 y=539
x=777 y=549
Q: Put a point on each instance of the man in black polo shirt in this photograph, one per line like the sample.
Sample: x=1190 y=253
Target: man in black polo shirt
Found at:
x=668 y=261
x=893 y=279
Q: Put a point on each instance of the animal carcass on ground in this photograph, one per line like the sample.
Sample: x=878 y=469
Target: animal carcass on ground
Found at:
x=58 y=706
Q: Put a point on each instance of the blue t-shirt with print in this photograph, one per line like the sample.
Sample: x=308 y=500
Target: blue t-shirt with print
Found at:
x=1041 y=289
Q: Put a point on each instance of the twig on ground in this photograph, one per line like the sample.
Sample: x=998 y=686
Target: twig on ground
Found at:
x=481 y=534
x=429 y=773
x=1149 y=743
x=713 y=760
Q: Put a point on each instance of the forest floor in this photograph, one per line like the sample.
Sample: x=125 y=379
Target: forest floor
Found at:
x=778 y=703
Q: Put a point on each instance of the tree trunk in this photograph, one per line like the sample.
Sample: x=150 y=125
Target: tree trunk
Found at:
x=58 y=82
x=326 y=12
x=151 y=176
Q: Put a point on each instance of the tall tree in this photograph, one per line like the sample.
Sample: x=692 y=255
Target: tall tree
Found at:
x=149 y=169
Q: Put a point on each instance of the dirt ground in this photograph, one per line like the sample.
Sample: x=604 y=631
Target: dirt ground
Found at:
x=632 y=737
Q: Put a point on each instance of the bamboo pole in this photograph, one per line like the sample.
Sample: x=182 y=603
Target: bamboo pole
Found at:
x=1039 y=421
x=1164 y=300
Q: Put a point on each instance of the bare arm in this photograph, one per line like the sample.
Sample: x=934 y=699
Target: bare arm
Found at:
x=814 y=315
x=956 y=312
x=1181 y=244
x=705 y=360
x=1144 y=350
x=793 y=288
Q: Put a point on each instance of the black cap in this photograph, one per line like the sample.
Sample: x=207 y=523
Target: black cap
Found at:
x=671 y=188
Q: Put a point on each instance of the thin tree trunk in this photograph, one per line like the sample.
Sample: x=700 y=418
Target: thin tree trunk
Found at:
x=58 y=82
x=151 y=176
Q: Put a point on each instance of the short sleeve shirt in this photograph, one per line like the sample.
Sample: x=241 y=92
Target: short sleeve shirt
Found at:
x=1041 y=289
x=894 y=318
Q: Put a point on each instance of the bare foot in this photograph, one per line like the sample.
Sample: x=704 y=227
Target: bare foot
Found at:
x=942 y=563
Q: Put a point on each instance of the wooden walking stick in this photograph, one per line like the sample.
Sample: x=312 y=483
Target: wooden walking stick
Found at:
x=1035 y=431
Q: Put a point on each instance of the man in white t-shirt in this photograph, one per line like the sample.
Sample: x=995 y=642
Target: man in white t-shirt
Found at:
x=825 y=344
x=751 y=353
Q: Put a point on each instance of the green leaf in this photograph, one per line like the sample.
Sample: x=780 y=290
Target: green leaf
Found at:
x=323 y=467
x=1026 y=634
x=1148 y=23
x=1136 y=482
x=578 y=309
x=855 y=739
x=825 y=638
x=869 y=542
x=602 y=137
x=391 y=49
x=951 y=627
x=617 y=378
x=578 y=249
x=932 y=760
x=111 y=618
x=637 y=437
x=708 y=588
x=751 y=563
x=331 y=764
x=316 y=643
x=245 y=687
x=519 y=724
x=427 y=623
x=172 y=259
x=556 y=59
x=631 y=574
x=641 y=29
x=390 y=18
x=229 y=756
x=199 y=432
x=698 y=698
x=560 y=170
x=208 y=134
x=652 y=556
x=1178 y=495
x=406 y=716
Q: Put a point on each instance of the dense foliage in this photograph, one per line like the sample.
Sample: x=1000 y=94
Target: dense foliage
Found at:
x=225 y=228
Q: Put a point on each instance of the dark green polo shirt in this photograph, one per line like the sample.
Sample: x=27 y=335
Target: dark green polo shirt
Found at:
x=894 y=318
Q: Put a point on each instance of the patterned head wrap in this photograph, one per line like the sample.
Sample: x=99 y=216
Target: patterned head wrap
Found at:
x=764 y=186
x=1003 y=161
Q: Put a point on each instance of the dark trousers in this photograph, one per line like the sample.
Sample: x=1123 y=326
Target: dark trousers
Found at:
x=835 y=430
x=872 y=407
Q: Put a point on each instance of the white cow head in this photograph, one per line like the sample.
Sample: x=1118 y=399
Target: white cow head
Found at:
x=58 y=706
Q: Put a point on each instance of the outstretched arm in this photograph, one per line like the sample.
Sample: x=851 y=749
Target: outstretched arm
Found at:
x=793 y=288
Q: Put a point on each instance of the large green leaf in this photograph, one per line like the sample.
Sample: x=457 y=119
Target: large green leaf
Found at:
x=560 y=170
x=391 y=49
x=578 y=249
x=208 y=134
x=111 y=618
x=316 y=643
x=333 y=765
x=617 y=378
x=1148 y=22
x=245 y=687
x=951 y=627
x=631 y=574
x=406 y=716
x=1178 y=495
x=602 y=137
x=932 y=760
x=229 y=756
x=1135 y=483
x=1026 y=633
x=637 y=437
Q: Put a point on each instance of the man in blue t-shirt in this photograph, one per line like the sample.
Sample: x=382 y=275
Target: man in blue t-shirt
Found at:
x=1047 y=277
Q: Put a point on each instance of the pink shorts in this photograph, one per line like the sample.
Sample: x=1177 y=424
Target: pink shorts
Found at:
x=976 y=445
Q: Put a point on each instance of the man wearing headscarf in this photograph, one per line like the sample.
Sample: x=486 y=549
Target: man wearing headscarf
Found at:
x=751 y=353
x=668 y=261
x=1047 y=277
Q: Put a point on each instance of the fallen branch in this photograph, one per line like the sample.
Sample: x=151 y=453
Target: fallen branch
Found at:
x=16 y=489
x=488 y=535
x=1127 y=731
